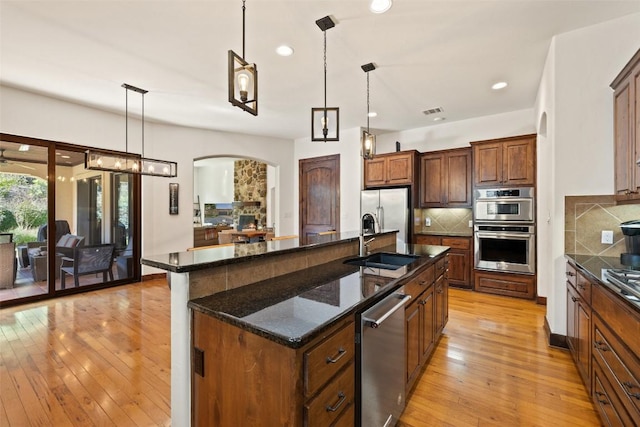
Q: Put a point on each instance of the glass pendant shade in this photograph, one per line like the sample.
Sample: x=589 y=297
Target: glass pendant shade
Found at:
x=368 y=145
x=129 y=163
x=243 y=84
x=325 y=124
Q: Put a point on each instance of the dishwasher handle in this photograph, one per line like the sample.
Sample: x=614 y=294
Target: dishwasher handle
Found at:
x=375 y=323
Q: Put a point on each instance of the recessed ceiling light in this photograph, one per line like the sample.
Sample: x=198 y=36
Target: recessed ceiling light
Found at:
x=284 y=50
x=380 y=6
x=499 y=85
x=438 y=119
x=372 y=114
x=23 y=147
x=64 y=156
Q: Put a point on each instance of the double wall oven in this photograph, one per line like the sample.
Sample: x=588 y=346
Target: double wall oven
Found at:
x=504 y=230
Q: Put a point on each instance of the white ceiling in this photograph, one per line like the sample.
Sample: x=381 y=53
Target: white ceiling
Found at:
x=429 y=53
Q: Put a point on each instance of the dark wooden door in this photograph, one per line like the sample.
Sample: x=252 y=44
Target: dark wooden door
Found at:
x=319 y=195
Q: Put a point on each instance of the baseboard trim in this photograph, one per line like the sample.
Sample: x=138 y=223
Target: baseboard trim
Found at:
x=555 y=340
x=541 y=301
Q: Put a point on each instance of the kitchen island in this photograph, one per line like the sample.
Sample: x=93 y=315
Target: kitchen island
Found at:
x=197 y=274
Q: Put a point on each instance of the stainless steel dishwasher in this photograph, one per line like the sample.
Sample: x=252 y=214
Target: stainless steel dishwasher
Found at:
x=382 y=356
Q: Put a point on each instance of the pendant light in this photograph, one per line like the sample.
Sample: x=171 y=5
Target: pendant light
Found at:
x=325 y=122
x=368 y=139
x=129 y=162
x=243 y=79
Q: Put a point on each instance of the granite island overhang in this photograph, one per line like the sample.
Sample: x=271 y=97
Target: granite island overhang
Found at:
x=198 y=274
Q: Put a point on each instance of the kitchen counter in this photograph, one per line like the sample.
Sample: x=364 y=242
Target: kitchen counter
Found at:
x=595 y=267
x=188 y=261
x=295 y=308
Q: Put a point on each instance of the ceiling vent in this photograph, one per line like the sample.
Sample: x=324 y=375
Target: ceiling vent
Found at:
x=433 y=111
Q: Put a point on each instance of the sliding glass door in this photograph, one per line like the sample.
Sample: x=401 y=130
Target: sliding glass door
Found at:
x=71 y=228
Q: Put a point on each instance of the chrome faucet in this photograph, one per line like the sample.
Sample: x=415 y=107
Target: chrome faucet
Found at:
x=365 y=246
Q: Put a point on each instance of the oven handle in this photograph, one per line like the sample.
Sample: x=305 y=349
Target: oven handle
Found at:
x=504 y=200
x=504 y=235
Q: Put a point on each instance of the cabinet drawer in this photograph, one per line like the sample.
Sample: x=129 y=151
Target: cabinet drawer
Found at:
x=456 y=243
x=420 y=283
x=619 y=365
x=325 y=359
x=334 y=399
x=583 y=286
x=606 y=401
x=441 y=266
x=570 y=273
x=422 y=239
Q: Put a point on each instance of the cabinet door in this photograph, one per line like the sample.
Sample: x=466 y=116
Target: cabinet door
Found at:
x=431 y=180
x=412 y=328
x=459 y=267
x=518 y=167
x=458 y=179
x=572 y=335
x=583 y=329
x=427 y=316
x=374 y=171
x=487 y=158
x=440 y=304
x=400 y=169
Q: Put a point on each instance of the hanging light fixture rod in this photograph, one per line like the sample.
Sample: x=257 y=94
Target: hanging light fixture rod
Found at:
x=133 y=88
x=243 y=77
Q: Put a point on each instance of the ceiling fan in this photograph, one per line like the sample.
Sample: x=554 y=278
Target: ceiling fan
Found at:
x=5 y=162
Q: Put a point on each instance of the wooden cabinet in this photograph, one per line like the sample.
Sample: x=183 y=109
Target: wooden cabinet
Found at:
x=445 y=179
x=616 y=348
x=602 y=335
x=392 y=169
x=579 y=322
x=626 y=102
x=460 y=257
x=509 y=284
x=425 y=316
x=505 y=162
x=241 y=378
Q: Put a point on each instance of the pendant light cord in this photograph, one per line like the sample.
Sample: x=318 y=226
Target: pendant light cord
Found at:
x=143 y=125
x=126 y=120
x=367 y=102
x=243 y=9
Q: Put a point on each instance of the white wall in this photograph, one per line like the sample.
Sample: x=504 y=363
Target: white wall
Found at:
x=448 y=135
x=213 y=180
x=576 y=96
x=33 y=115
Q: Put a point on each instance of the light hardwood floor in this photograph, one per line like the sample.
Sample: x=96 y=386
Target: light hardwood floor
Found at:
x=103 y=359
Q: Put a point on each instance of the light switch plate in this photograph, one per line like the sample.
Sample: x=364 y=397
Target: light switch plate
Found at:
x=607 y=237
x=427 y=222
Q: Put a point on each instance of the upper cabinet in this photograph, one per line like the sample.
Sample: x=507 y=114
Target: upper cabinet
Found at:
x=505 y=162
x=627 y=131
x=390 y=169
x=445 y=179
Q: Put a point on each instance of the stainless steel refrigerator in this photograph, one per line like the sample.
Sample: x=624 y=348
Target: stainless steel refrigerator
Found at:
x=390 y=207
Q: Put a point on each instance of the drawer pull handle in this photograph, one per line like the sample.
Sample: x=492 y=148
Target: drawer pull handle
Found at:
x=423 y=282
x=603 y=401
x=341 y=399
x=341 y=353
x=574 y=299
x=570 y=274
x=600 y=345
x=628 y=386
x=581 y=286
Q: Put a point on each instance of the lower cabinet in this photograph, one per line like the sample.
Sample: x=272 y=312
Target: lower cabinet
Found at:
x=509 y=284
x=579 y=322
x=426 y=315
x=241 y=378
x=602 y=335
x=460 y=257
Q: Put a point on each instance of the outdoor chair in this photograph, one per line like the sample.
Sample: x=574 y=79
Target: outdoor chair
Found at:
x=86 y=260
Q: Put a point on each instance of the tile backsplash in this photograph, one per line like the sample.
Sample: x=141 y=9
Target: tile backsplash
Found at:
x=586 y=217
x=443 y=220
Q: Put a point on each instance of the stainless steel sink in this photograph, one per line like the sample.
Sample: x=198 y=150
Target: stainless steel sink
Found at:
x=384 y=260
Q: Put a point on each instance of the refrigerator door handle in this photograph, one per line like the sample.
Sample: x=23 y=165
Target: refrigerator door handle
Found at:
x=380 y=214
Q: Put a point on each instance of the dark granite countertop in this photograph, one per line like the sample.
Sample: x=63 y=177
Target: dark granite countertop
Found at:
x=295 y=308
x=183 y=262
x=595 y=267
